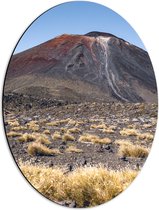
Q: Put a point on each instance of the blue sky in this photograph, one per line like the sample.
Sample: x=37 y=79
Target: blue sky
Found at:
x=77 y=18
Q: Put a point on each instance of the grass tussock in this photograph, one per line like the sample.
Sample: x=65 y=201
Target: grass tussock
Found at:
x=68 y=137
x=38 y=149
x=100 y=126
x=73 y=130
x=13 y=123
x=37 y=137
x=94 y=139
x=105 y=129
x=95 y=120
x=27 y=137
x=42 y=138
x=63 y=130
x=33 y=126
x=145 y=136
x=64 y=121
x=56 y=136
x=108 y=131
x=13 y=134
x=46 y=131
x=42 y=121
x=123 y=142
x=57 y=122
x=132 y=126
x=147 y=125
x=94 y=185
x=80 y=123
x=128 y=132
x=133 y=132
x=73 y=149
x=19 y=128
x=130 y=150
x=113 y=127
x=72 y=122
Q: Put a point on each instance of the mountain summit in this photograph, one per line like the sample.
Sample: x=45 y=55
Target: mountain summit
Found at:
x=96 y=66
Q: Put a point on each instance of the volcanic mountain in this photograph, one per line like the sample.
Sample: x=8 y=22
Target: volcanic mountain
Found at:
x=93 y=67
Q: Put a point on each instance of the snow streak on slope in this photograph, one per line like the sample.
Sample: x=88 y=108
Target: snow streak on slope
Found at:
x=103 y=41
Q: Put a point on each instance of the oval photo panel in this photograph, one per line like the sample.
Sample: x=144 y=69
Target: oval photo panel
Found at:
x=80 y=104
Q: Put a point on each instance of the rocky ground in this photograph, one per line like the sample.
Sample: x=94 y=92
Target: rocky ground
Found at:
x=105 y=120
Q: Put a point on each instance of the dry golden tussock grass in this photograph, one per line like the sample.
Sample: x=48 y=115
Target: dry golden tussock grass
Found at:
x=79 y=123
x=72 y=122
x=108 y=130
x=19 y=128
x=46 y=132
x=129 y=132
x=133 y=132
x=13 y=134
x=73 y=130
x=95 y=120
x=132 y=126
x=104 y=128
x=55 y=123
x=130 y=150
x=63 y=130
x=13 y=123
x=113 y=127
x=95 y=185
x=73 y=149
x=122 y=142
x=36 y=148
x=100 y=126
x=94 y=139
x=42 y=121
x=145 y=136
x=42 y=138
x=64 y=121
x=58 y=122
x=147 y=125
x=68 y=137
x=33 y=126
x=37 y=137
x=33 y=122
x=56 y=135
x=27 y=137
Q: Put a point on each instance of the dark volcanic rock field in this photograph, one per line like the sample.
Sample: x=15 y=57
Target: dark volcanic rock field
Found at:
x=88 y=118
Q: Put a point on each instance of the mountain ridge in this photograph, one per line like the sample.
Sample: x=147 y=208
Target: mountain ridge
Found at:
x=89 y=34
x=102 y=61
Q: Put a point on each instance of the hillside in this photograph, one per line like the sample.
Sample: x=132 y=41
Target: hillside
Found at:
x=93 y=67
